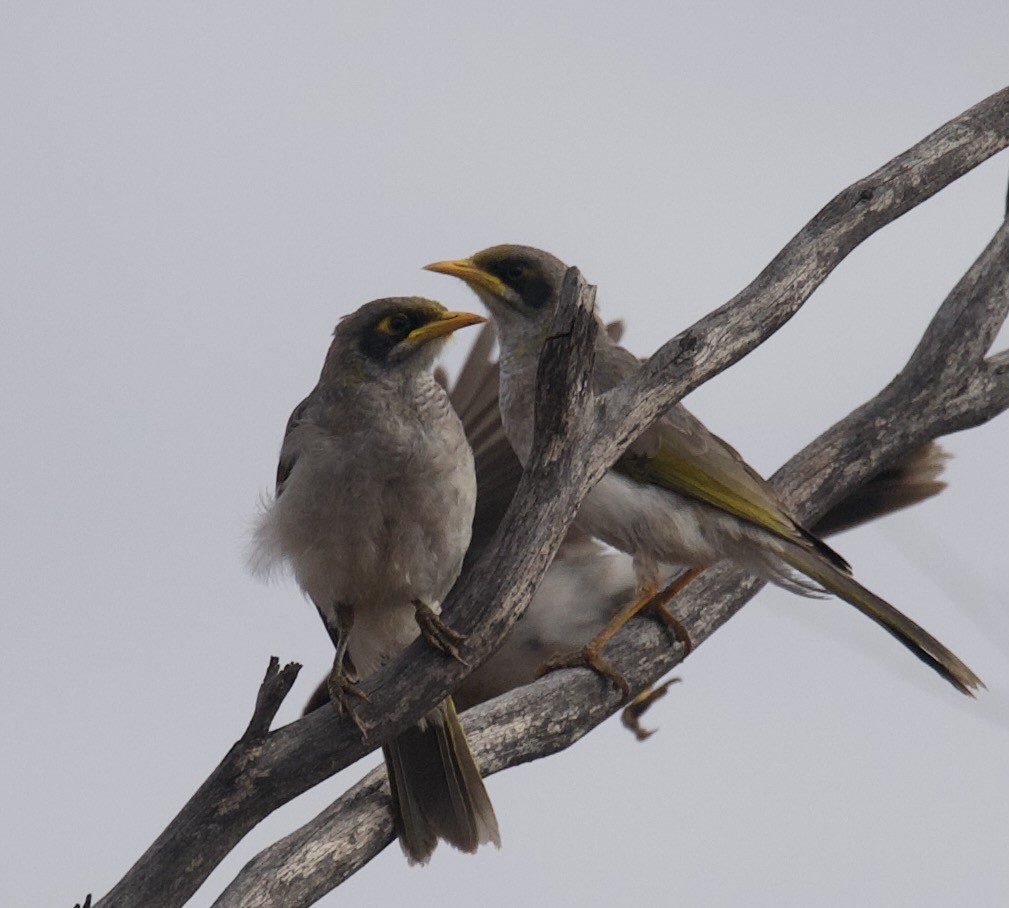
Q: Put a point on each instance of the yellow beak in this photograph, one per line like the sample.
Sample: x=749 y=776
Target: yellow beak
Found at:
x=465 y=270
x=449 y=322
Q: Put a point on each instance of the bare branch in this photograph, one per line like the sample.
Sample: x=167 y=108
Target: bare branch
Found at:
x=527 y=724
x=938 y=391
x=738 y=327
x=541 y=719
x=272 y=692
x=550 y=715
x=974 y=327
x=580 y=437
x=300 y=868
x=262 y=772
x=199 y=838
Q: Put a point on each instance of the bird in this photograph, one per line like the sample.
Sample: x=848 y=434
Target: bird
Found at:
x=679 y=494
x=587 y=583
x=372 y=512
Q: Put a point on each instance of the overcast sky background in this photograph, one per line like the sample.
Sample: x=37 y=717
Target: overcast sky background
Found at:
x=193 y=194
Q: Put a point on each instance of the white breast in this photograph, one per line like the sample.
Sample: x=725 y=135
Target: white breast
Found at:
x=376 y=520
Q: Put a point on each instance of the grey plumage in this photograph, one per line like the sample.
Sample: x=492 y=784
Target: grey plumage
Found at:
x=372 y=513
x=680 y=493
x=586 y=584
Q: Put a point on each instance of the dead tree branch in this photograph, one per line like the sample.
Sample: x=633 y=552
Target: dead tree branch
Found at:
x=940 y=390
x=579 y=437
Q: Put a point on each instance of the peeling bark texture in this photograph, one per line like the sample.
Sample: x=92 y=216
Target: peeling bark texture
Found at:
x=949 y=384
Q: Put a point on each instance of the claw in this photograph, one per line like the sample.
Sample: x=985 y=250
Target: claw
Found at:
x=437 y=633
x=342 y=692
x=678 y=630
x=588 y=657
x=631 y=716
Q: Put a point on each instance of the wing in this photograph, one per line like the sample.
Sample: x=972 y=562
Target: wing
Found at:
x=679 y=453
x=475 y=399
x=498 y=470
x=290 y=448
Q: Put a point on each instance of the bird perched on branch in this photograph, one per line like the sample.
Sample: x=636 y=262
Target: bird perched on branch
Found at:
x=586 y=584
x=372 y=512
x=679 y=493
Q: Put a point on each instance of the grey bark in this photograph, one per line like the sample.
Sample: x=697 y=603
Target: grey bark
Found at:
x=949 y=384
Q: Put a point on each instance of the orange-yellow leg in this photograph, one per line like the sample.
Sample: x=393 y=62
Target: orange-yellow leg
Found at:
x=589 y=655
x=658 y=605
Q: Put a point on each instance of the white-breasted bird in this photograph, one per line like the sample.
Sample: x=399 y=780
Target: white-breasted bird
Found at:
x=372 y=513
x=586 y=584
x=679 y=494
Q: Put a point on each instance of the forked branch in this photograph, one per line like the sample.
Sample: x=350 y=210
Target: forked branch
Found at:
x=580 y=437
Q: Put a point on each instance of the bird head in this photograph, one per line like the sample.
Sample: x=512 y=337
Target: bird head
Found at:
x=394 y=334
x=519 y=285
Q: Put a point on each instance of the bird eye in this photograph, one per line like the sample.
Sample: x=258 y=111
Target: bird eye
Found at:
x=395 y=324
x=514 y=272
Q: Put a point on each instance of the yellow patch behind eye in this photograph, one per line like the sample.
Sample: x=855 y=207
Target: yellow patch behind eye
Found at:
x=393 y=325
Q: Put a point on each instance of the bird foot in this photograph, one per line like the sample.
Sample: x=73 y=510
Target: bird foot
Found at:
x=631 y=716
x=437 y=633
x=671 y=623
x=342 y=693
x=588 y=657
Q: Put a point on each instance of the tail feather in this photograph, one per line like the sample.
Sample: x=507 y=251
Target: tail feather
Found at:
x=905 y=483
x=914 y=637
x=416 y=837
x=437 y=791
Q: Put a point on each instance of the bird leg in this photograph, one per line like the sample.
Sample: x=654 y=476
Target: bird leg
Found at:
x=589 y=655
x=657 y=605
x=341 y=688
x=631 y=716
x=437 y=633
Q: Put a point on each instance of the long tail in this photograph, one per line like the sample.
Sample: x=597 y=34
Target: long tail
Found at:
x=915 y=638
x=437 y=792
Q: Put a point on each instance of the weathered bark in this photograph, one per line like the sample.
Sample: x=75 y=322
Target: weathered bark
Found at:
x=947 y=385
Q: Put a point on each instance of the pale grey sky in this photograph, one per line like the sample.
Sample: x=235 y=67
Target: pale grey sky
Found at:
x=193 y=194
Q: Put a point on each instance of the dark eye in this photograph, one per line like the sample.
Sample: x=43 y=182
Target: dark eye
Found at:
x=399 y=323
x=514 y=271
